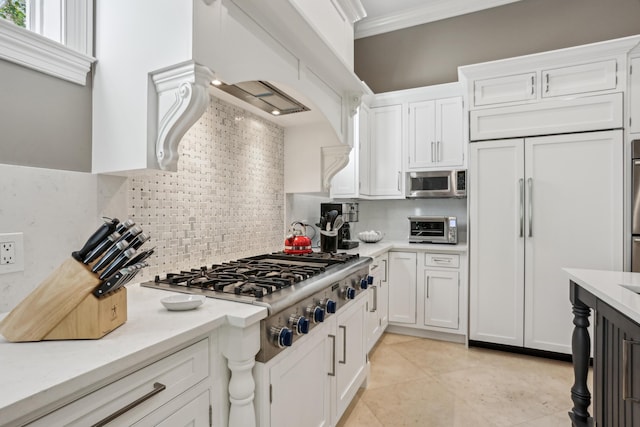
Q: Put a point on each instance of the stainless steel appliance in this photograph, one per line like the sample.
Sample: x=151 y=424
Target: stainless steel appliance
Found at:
x=299 y=291
x=433 y=229
x=349 y=213
x=635 y=203
x=437 y=184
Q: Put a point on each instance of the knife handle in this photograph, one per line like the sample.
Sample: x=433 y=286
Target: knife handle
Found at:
x=102 y=246
x=125 y=225
x=107 y=285
x=98 y=236
x=140 y=257
x=111 y=254
x=117 y=263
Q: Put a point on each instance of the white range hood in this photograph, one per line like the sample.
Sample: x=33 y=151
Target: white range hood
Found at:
x=156 y=63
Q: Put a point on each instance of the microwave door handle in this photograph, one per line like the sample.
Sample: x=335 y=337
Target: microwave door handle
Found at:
x=521 y=183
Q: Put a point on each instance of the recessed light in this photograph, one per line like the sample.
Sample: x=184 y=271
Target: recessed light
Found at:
x=275 y=112
x=216 y=82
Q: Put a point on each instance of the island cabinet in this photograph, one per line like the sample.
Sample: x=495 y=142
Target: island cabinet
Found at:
x=616 y=362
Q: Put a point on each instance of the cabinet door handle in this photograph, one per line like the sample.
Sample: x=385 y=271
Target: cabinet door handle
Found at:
x=385 y=270
x=546 y=77
x=626 y=370
x=399 y=181
x=432 y=147
x=344 y=345
x=157 y=388
x=530 y=188
x=427 y=287
x=375 y=299
x=521 y=184
x=533 y=84
x=333 y=356
x=438 y=152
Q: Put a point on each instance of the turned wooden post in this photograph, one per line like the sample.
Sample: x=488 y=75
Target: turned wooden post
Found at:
x=581 y=349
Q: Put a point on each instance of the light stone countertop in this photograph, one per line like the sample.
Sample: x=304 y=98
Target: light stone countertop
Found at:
x=606 y=285
x=40 y=374
x=375 y=249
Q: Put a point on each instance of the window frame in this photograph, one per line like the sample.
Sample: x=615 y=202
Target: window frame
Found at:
x=70 y=61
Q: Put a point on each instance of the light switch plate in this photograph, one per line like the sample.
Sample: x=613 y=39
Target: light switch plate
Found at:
x=11 y=252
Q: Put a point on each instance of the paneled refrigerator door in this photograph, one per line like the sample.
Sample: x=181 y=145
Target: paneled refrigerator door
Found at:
x=574 y=186
x=497 y=235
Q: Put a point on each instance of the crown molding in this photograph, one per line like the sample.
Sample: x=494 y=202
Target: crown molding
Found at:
x=431 y=12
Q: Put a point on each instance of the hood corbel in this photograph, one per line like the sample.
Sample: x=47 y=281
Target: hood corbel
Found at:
x=334 y=159
x=182 y=97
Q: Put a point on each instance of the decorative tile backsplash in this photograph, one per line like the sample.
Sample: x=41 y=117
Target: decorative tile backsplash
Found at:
x=226 y=200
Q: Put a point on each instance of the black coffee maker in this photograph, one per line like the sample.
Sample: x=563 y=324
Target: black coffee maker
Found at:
x=349 y=213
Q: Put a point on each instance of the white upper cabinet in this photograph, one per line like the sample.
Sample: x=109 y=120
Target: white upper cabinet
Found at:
x=564 y=74
x=385 y=152
x=436 y=138
x=498 y=90
x=590 y=77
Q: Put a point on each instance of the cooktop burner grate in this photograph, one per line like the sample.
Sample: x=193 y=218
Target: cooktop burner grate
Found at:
x=256 y=276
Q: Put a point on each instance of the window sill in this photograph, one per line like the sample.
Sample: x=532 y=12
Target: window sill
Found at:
x=34 y=51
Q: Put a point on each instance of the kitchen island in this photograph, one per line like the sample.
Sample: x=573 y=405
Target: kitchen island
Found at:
x=614 y=296
x=38 y=379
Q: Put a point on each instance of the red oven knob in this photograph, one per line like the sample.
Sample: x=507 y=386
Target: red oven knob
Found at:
x=282 y=336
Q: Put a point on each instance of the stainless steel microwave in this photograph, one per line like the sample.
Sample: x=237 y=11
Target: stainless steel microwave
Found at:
x=433 y=229
x=437 y=184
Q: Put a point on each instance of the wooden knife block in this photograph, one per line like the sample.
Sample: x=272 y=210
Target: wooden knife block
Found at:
x=63 y=307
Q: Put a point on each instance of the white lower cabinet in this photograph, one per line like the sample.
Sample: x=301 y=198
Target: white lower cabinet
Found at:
x=171 y=392
x=538 y=205
x=426 y=291
x=402 y=287
x=378 y=302
x=313 y=383
x=441 y=298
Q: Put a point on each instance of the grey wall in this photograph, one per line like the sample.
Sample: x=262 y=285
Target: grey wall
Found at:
x=430 y=54
x=44 y=121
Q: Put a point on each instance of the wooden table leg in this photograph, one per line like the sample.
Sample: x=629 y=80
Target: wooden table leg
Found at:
x=581 y=349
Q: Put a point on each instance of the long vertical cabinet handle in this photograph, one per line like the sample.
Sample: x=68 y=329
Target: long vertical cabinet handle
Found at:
x=438 y=152
x=344 y=345
x=626 y=370
x=333 y=356
x=400 y=181
x=375 y=299
x=385 y=270
x=521 y=182
x=530 y=189
x=432 y=146
x=546 y=77
x=427 y=287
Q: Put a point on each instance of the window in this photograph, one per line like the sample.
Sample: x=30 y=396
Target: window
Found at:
x=51 y=36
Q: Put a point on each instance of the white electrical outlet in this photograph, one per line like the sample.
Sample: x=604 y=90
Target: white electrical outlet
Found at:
x=11 y=252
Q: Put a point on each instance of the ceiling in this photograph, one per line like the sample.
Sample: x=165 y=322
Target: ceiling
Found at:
x=390 y=15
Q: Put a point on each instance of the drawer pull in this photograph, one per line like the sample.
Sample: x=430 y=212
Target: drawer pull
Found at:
x=626 y=370
x=447 y=260
x=157 y=388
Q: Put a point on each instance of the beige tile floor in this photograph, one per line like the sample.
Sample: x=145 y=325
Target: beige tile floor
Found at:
x=428 y=383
